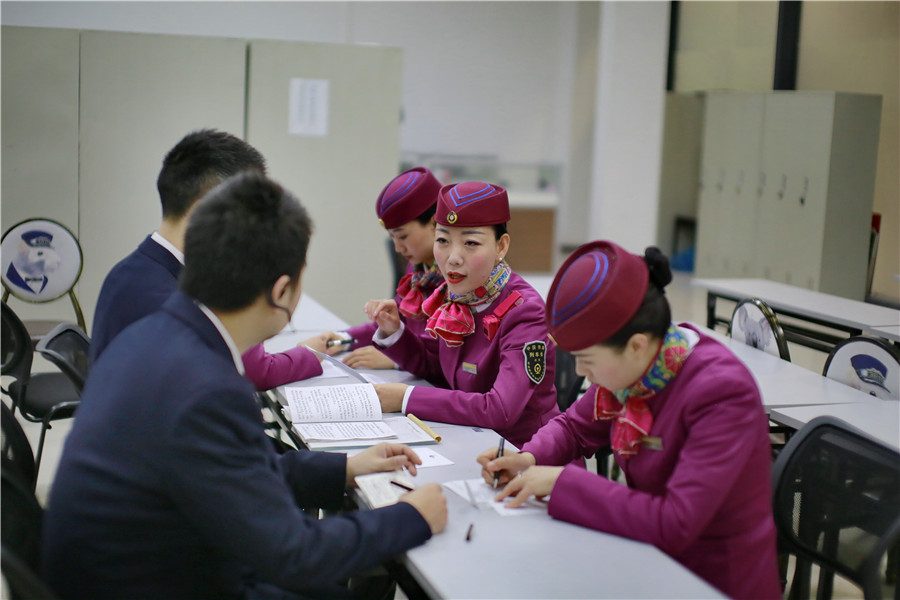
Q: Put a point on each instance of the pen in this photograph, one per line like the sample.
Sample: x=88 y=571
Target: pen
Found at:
x=469 y=532
x=401 y=485
x=333 y=343
x=499 y=454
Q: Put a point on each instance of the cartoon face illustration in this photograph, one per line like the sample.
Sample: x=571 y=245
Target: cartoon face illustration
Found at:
x=756 y=332
x=35 y=258
x=868 y=374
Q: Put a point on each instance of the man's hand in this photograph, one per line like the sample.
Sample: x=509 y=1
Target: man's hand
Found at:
x=429 y=500
x=381 y=457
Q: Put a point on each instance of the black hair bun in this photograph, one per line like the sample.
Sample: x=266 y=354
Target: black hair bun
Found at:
x=658 y=264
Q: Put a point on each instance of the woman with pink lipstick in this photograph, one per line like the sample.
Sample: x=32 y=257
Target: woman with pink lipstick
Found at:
x=405 y=208
x=491 y=340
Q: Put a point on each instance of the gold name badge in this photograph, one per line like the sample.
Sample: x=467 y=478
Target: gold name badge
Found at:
x=653 y=443
x=470 y=368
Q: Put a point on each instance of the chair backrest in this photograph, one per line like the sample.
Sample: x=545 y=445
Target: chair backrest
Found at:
x=398 y=264
x=20 y=520
x=67 y=347
x=18 y=456
x=754 y=323
x=836 y=493
x=568 y=382
x=17 y=350
x=871 y=365
x=22 y=582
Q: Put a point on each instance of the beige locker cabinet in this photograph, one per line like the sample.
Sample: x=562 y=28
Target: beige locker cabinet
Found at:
x=726 y=221
x=140 y=94
x=337 y=155
x=40 y=138
x=788 y=187
x=819 y=155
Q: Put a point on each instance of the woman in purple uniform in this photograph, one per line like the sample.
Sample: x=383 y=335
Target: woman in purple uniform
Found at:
x=405 y=208
x=683 y=416
x=490 y=341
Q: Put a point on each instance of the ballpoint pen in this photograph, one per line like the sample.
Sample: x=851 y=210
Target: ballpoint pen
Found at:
x=333 y=343
x=401 y=485
x=499 y=454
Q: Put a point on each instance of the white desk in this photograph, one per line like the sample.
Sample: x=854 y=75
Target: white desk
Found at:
x=782 y=383
x=880 y=418
x=890 y=332
x=532 y=556
x=520 y=557
x=843 y=314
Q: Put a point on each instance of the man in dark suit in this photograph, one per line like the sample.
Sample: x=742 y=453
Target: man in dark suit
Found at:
x=168 y=486
x=140 y=283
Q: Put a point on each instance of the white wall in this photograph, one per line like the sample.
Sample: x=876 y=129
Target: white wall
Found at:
x=479 y=77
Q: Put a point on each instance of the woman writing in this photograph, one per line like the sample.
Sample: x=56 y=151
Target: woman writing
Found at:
x=490 y=341
x=683 y=416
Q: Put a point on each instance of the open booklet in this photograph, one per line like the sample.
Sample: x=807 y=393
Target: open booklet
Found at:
x=348 y=416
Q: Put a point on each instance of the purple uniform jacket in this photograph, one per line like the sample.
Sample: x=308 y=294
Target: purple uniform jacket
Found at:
x=267 y=371
x=489 y=386
x=705 y=498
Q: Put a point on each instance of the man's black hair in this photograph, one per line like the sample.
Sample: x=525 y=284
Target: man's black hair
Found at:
x=198 y=163
x=242 y=237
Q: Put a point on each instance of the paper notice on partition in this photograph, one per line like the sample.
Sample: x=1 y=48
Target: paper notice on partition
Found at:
x=308 y=107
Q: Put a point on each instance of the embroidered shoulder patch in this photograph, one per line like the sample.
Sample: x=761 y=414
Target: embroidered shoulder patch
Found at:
x=535 y=360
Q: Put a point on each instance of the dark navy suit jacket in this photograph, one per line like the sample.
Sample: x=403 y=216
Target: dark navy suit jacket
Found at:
x=137 y=286
x=168 y=486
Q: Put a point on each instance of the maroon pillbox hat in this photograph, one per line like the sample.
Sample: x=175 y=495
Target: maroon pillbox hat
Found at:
x=472 y=204
x=407 y=196
x=595 y=293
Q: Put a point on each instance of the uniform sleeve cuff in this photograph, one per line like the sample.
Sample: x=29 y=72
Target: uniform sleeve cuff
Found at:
x=387 y=341
x=406 y=396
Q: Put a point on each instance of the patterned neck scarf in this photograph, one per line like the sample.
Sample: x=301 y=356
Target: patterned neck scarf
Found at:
x=629 y=406
x=415 y=286
x=450 y=316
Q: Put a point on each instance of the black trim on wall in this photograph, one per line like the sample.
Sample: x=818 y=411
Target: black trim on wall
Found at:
x=674 y=13
x=788 y=42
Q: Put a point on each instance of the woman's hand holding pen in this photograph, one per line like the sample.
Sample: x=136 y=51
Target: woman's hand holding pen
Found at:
x=385 y=314
x=533 y=481
x=318 y=343
x=381 y=457
x=431 y=503
x=508 y=466
x=322 y=340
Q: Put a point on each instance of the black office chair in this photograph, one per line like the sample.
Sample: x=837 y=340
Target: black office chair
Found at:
x=836 y=501
x=568 y=382
x=23 y=582
x=67 y=347
x=17 y=454
x=754 y=323
x=41 y=397
x=20 y=520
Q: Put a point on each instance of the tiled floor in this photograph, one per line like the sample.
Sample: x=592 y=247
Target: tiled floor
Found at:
x=688 y=304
